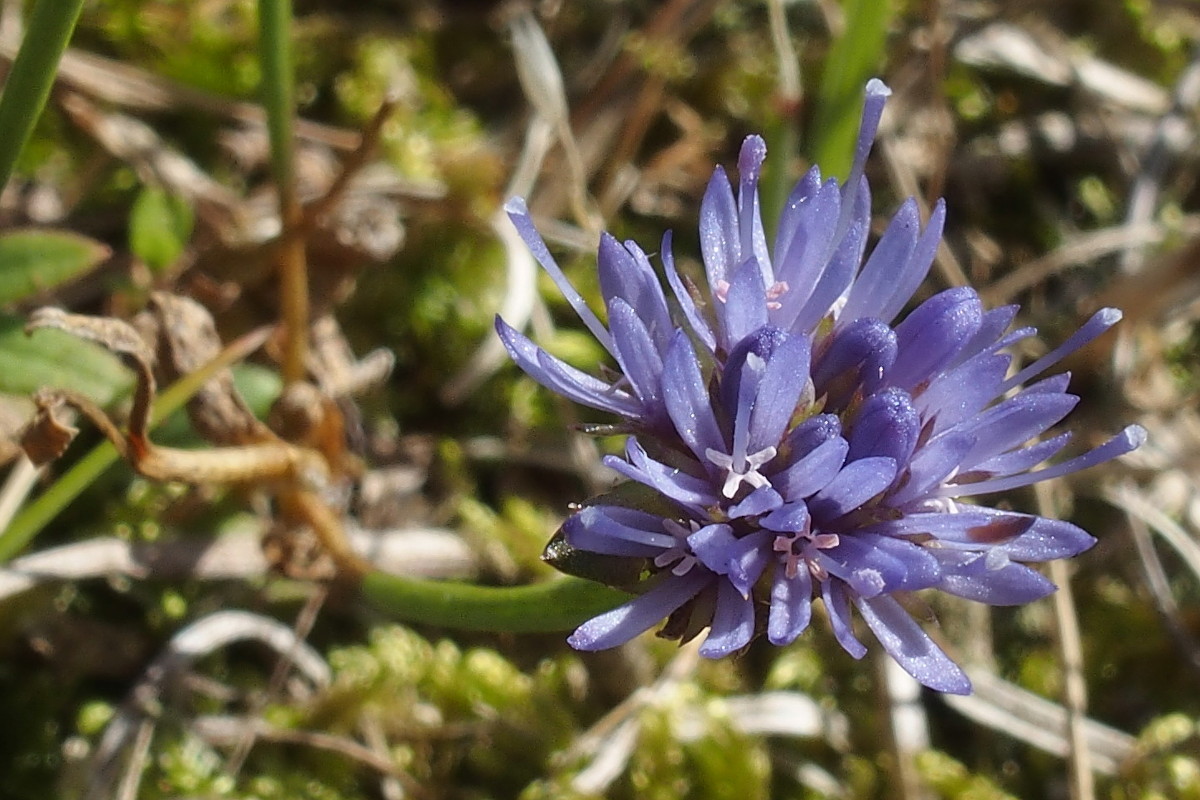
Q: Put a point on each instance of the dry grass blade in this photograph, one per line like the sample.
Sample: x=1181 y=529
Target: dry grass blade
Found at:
x=1181 y=541
x=608 y=744
x=908 y=727
x=1015 y=712
x=1174 y=133
x=131 y=87
x=542 y=82
x=1070 y=651
x=202 y=637
x=228 y=730
x=413 y=552
x=1082 y=250
x=1160 y=586
x=301 y=630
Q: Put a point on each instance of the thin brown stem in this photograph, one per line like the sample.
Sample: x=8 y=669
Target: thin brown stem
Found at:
x=293 y=289
x=352 y=164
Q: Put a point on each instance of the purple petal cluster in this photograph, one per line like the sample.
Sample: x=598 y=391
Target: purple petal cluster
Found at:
x=801 y=443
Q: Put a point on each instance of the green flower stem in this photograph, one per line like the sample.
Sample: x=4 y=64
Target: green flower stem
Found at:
x=37 y=514
x=555 y=605
x=32 y=75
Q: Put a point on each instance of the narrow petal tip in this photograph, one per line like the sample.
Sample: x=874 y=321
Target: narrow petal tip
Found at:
x=752 y=156
x=877 y=88
x=515 y=206
x=1134 y=436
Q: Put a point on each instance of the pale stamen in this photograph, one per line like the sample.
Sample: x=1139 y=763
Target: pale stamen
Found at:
x=777 y=290
x=747 y=472
x=679 y=554
x=802 y=546
x=721 y=290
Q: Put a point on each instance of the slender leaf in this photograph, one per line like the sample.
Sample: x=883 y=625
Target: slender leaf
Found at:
x=32 y=74
x=278 y=88
x=854 y=58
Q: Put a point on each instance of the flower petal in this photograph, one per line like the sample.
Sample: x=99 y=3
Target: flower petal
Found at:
x=859 y=353
x=720 y=244
x=791 y=607
x=686 y=302
x=1010 y=585
x=745 y=307
x=931 y=465
x=608 y=531
x=842 y=262
x=877 y=279
x=625 y=273
x=837 y=608
x=911 y=647
x=563 y=378
x=855 y=484
x=671 y=482
x=732 y=625
x=811 y=473
x=933 y=334
x=779 y=391
x=518 y=212
x=886 y=425
x=640 y=614
x=686 y=398
x=637 y=354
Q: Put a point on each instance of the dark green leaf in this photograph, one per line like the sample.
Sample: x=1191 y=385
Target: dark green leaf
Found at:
x=32 y=261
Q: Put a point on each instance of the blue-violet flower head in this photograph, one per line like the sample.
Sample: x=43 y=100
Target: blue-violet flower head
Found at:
x=796 y=441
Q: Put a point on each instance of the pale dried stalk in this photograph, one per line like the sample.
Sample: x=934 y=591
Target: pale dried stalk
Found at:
x=1070 y=650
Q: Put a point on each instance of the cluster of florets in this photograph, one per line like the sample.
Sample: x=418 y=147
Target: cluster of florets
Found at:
x=799 y=442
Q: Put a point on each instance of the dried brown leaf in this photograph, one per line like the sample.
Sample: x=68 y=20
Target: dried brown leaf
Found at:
x=188 y=340
x=47 y=436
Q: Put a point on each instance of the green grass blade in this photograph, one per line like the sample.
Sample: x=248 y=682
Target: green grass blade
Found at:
x=32 y=75
x=278 y=89
x=854 y=58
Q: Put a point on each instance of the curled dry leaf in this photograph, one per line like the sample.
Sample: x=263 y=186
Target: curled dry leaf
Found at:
x=48 y=434
x=121 y=338
x=304 y=474
x=115 y=334
x=187 y=340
